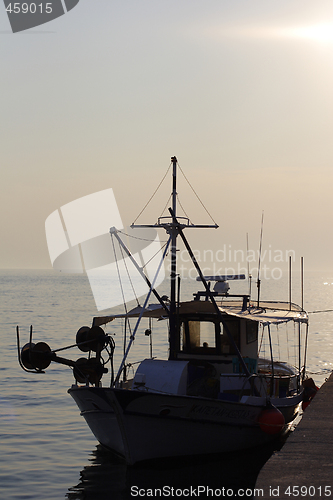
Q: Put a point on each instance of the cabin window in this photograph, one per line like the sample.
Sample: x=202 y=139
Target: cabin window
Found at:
x=234 y=330
x=208 y=337
x=198 y=336
x=204 y=331
x=251 y=331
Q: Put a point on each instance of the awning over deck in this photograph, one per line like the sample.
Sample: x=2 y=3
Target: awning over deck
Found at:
x=267 y=313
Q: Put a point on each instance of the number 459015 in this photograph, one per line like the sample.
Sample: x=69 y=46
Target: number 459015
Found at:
x=32 y=8
x=308 y=491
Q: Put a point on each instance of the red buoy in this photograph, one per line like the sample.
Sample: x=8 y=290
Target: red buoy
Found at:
x=271 y=420
x=310 y=390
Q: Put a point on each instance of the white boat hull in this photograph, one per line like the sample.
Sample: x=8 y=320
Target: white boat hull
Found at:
x=142 y=426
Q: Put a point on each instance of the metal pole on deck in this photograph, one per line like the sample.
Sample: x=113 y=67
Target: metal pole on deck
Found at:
x=289 y=282
x=272 y=359
x=299 y=355
x=259 y=261
x=173 y=274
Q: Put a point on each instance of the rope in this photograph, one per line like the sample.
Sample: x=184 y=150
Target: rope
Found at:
x=118 y=272
x=137 y=238
x=188 y=182
x=321 y=372
x=153 y=194
x=325 y=311
x=129 y=276
x=262 y=336
x=287 y=342
x=181 y=206
x=123 y=296
x=278 y=340
x=167 y=203
x=158 y=251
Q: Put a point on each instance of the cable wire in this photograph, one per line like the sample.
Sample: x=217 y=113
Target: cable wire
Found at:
x=181 y=206
x=188 y=182
x=137 y=238
x=152 y=196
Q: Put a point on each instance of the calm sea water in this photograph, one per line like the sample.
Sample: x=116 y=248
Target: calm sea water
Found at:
x=47 y=450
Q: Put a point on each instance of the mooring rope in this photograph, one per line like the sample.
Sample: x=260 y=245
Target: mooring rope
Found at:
x=324 y=311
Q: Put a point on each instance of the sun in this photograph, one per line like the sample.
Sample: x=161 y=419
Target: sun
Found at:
x=319 y=32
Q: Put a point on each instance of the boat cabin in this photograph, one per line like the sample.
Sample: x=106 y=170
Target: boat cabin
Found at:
x=205 y=337
x=209 y=348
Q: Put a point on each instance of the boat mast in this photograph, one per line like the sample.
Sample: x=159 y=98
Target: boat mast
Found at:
x=173 y=228
x=173 y=275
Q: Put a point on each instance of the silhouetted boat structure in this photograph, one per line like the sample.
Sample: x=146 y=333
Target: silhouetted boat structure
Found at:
x=215 y=393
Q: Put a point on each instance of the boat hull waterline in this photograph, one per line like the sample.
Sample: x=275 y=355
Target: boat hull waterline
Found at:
x=143 y=426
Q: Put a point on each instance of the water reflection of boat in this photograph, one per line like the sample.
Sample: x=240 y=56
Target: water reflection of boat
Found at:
x=107 y=477
x=217 y=391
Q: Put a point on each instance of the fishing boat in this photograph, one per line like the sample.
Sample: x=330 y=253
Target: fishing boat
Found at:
x=217 y=391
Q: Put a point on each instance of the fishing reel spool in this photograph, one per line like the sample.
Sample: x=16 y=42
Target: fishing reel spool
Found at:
x=35 y=358
x=90 y=370
x=91 y=339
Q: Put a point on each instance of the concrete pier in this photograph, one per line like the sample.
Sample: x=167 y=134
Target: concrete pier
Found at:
x=304 y=466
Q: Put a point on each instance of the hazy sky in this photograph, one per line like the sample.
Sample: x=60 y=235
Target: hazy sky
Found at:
x=239 y=90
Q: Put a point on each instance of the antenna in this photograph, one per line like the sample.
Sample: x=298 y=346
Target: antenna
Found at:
x=302 y=283
x=248 y=264
x=260 y=245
